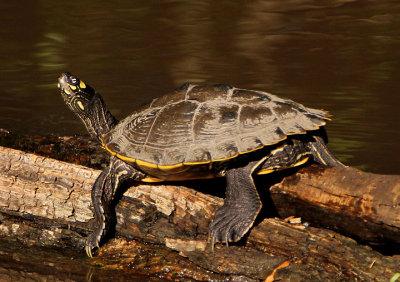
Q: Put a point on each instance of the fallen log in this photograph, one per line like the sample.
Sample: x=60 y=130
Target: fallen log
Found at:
x=47 y=202
x=363 y=205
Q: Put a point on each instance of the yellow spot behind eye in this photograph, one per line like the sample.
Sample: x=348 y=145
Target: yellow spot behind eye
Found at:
x=82 y=84
x=80 y=105
x=72 y=87
x=66 y=91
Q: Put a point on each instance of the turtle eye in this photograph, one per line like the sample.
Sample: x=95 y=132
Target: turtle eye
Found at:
x=73 y=80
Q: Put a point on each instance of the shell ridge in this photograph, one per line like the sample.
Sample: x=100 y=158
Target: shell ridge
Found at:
x=150 y=131
x=190 y=87
x=192 y=124
x=238 y=135
x=152 y=102
x=230 y=93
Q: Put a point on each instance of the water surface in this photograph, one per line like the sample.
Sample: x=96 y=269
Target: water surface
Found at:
x=342 y=56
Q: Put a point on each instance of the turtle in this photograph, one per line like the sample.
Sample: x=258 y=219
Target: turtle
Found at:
x=199 y=132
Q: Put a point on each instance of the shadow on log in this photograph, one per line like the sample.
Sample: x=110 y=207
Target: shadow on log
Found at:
x=47 y=202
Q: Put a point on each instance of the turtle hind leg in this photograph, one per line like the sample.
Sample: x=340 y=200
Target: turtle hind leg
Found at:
x=102 y=194
x=241 y=206
x=321 y=154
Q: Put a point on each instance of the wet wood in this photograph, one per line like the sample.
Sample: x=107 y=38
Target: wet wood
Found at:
x=47 y=202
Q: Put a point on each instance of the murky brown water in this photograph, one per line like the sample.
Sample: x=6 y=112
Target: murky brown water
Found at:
x=22 y=263
x=342 y=56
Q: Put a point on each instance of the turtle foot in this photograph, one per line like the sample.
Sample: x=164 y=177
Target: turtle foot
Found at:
x=230 y=224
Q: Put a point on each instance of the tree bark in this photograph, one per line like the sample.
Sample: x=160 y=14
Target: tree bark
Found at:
x=363 y=205
x=47 y=202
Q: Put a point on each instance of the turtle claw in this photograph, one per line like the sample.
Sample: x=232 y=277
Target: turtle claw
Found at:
x=211 y=242
x=92 y=243
x=89 y=251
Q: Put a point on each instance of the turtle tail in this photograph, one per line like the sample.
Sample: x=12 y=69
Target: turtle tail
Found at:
x=321 y=153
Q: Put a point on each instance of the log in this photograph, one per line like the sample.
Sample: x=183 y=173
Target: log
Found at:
x=363 y=205
x=47 y=202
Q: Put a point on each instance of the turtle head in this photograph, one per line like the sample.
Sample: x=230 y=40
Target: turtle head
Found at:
x=87 y=104
x=76 y=94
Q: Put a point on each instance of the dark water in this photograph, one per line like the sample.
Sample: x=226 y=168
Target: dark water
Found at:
x=22 y=263
x=342 y=56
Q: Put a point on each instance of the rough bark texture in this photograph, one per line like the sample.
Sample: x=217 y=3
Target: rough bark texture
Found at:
x=47 y=202
x=364 y=205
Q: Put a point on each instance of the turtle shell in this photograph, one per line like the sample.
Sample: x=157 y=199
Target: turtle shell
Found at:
x=200 y=125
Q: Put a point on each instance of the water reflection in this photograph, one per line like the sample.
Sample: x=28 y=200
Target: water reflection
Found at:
x=19 y=262
x=338 y=55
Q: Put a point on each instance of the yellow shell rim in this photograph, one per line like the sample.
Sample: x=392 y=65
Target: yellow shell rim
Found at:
x=149 y=165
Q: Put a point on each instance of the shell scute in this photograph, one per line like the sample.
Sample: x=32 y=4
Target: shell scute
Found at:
x=225 y=150
x=250 y=96
x=253 y=117
x=203 y=93
x=248 y=143
x=172 y=124
x=198 y=153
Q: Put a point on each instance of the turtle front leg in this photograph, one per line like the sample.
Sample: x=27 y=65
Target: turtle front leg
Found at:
x=242 y=204
x=102 y=194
